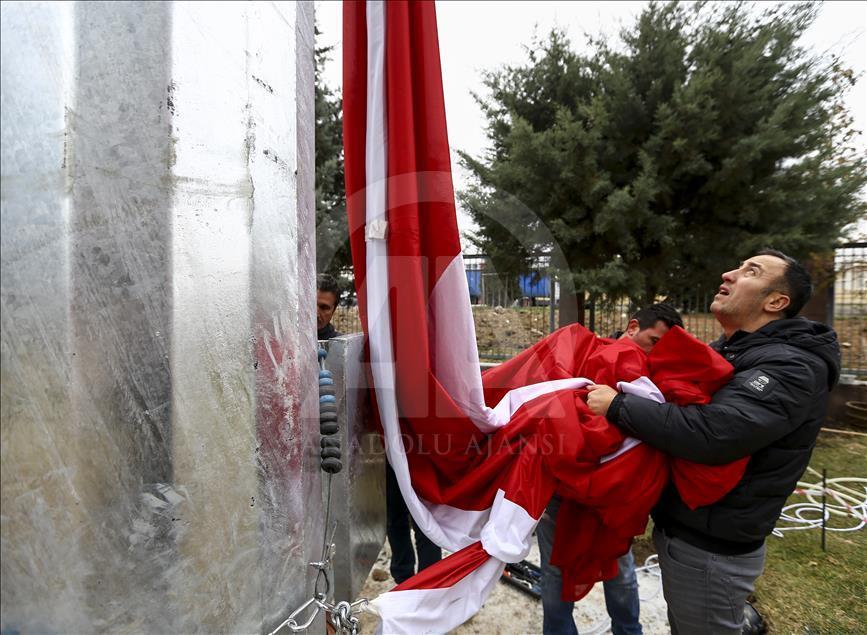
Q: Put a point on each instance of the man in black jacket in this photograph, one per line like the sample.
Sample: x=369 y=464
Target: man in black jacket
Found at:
x=771 y=410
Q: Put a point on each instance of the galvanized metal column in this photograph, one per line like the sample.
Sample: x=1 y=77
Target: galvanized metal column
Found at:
x=159 y=413
x=358 y=491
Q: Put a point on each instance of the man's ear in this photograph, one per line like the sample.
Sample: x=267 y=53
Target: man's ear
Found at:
x=632 y=327
x=776 y=302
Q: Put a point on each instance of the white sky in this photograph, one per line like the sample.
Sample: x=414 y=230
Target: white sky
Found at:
x=476 y=36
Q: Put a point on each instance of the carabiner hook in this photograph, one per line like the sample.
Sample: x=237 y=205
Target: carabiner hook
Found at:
x=294 y=626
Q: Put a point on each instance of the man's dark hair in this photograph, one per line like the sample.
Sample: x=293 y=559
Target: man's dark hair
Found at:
x=650 y=315
x=795 y=282
x=327 y=284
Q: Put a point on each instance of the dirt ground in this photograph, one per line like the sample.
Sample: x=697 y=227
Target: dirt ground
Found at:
x=510 y=611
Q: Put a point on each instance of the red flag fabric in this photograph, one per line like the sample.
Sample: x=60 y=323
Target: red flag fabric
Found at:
x=476 y=461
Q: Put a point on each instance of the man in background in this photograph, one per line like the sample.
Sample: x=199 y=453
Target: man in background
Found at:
x=327 y=297
x=645 y=328
x=398 y=524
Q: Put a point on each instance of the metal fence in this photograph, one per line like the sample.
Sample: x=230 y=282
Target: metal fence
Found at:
x=534 y=288
x=609 y=317
x=511 y=315
x=848 y=306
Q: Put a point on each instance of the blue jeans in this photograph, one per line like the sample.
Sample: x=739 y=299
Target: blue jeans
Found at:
x=621 y=592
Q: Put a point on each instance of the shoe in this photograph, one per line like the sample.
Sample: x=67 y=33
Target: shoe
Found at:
x=754 y=623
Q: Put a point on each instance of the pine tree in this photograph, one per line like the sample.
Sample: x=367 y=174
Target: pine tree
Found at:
x=650 y=166
x=332 y=242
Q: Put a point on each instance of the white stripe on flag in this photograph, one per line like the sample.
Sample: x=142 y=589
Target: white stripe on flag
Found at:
x=507 y=534
x=437 y=610
x=456 y=354
x=450 y=527
x=641 y=387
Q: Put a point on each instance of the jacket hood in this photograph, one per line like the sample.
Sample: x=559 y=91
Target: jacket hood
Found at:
x=814 y=337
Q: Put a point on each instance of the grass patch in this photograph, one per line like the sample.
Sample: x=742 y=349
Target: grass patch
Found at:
x=805 y=591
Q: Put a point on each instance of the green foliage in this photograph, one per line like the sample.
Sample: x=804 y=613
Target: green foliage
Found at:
x=654 y=164
x=332 y=238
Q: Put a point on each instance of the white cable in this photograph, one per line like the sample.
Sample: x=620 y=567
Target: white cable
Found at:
x=651 y=565
x=842 y=502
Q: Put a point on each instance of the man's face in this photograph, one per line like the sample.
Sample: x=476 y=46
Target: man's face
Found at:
x=645 y=338
x=743 y=296
x=326 y=302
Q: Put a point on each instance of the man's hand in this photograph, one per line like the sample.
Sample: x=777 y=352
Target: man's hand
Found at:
x=599 y=398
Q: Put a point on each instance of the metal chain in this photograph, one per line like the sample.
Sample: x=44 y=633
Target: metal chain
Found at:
x=343 y=615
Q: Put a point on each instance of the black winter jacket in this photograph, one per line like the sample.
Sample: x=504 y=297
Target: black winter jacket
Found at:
x=771 y=410
x=327 y=332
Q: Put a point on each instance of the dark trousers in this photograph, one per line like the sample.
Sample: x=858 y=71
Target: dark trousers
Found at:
x=398 y=521
x=706 y=592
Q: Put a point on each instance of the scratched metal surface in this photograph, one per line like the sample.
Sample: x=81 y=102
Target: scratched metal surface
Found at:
x=358 y=491
x=159 y=417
